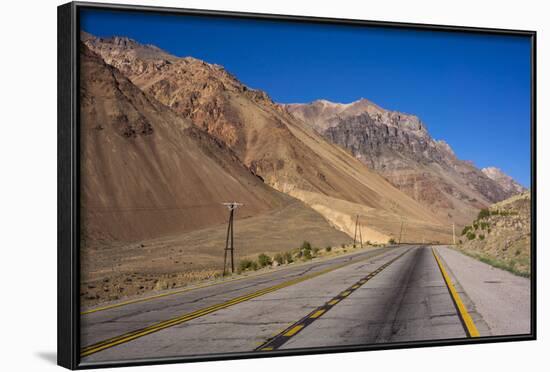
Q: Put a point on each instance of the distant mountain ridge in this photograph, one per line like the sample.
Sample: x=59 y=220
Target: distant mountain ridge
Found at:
x=399 y=147
x=504 y=180
x=269 y=141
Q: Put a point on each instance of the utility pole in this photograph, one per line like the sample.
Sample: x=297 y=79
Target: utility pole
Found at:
x=355 y=234
x=454 y=241
x=357 y=227
x=360 y=235
x=401 y=231
x=232 y=206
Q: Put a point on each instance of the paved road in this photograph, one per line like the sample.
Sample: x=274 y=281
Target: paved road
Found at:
x=382 y=295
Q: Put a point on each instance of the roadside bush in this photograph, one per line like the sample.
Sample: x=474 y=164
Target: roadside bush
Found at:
x=279 y=259
x=343 y=245
x=471 y=236
x=328 y=248
x=307 y=254
x=392 y=241
x=315 y=251
x=254 y=266
x=264 y=260
x=306 y=245
x=466 y=229
x=244 y=265
x=481 y=236
x=288 y=257
x=368 y=242
x=484 y=213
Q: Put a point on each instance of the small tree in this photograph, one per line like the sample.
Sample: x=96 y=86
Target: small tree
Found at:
x=264 y=260
x=279 y=259
x=466 y=229
x=288 y=257
x=306 y=245
x=484 y=213
x=244 y=265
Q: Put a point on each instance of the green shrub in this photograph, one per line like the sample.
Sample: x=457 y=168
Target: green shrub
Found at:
x=368 y=242
x=307 y=254
x=466 y=229
x=279 y=259
x=484 y=213
x=476 y=226
x=481 y=236
x=264 y=260
x=471 y=236
x=328 y=248
x=315 y=251
x=254 y=266
x=244 y=265
x=343 y=245
x=306 y=245
x=288 y=257
x=391 y=241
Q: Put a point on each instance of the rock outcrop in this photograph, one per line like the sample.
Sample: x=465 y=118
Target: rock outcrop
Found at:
x=399 y=147
x=504 y=180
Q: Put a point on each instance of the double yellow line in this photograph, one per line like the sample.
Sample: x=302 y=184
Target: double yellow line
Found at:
x=469 y=324
x=126 y=337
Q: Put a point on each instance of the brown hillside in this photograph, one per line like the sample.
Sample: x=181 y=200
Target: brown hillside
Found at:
x=269 y=141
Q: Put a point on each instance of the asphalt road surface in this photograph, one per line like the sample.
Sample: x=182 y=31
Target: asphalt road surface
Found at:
x=406 y=293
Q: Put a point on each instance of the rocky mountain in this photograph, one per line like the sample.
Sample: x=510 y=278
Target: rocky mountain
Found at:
x=504 y=180
x=501 y=235
x=399 y=147
x=147 y=171
x=271 y=143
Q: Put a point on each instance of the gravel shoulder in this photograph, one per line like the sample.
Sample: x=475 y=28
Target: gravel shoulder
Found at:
x=501 y=298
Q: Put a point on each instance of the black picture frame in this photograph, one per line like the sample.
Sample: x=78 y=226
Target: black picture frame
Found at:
x=68 y=217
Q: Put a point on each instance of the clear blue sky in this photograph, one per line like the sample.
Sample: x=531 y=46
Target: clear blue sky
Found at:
x=473 y=91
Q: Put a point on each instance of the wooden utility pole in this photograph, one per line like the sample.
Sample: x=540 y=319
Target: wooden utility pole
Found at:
x=232 y=206
x=360 y=236
x=355 y=234
x=401 y=231
x=357 y=227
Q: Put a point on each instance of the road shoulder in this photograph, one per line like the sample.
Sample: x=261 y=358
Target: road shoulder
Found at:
x=498 y=301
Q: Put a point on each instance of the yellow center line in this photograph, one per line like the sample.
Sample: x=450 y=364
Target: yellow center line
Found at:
x=129 y=336
x=471 y=328
x=317 y=314
x=281 y=338
x=294 y=330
